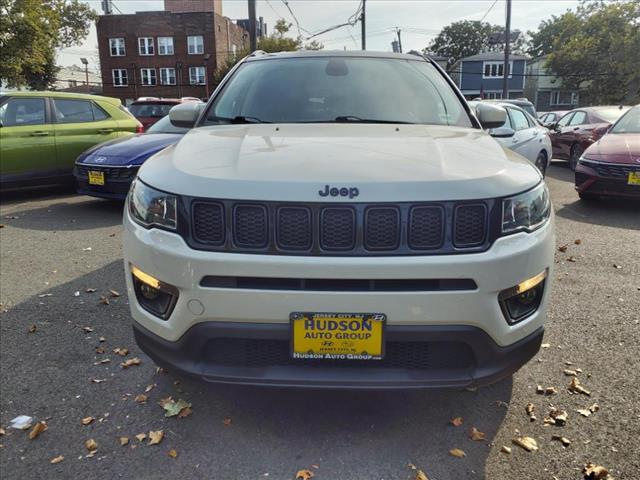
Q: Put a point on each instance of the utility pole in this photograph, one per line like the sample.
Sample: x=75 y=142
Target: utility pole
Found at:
x=85 y=62
x=253 y=34
x=363 y=24
x=399 y=40
x=507 y=46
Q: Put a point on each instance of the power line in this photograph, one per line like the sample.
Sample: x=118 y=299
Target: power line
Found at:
x=295 y=19
x=487 y=12
x=351 y=21
x=274 y=10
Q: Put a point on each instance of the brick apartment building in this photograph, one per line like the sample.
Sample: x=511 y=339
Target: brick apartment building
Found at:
x=171 y=53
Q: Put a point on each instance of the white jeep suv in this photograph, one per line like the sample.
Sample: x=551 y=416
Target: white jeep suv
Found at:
x=339 y=219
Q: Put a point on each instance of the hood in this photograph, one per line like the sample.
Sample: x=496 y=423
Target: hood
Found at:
x=616 y=148
x=295 y=162
x=131 y=150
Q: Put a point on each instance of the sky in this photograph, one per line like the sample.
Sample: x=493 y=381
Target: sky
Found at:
x=419 y=20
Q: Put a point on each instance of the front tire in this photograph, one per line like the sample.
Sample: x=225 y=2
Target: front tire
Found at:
x=576 y=153
x=541 y=162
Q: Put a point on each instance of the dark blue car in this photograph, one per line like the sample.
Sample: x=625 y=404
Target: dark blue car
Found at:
x=107 y=170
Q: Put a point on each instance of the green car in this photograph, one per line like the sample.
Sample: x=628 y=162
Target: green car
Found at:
x=42 y=134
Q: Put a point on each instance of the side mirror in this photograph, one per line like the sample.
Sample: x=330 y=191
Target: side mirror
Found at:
x=502 y=132
x=185 y=114
x=490 y=116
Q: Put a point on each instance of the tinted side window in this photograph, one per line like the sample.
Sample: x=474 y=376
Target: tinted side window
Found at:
x=73 y=111
x=578 y=118
x=565 y=120
x=23 y=111
x=519 y=120
x=99 y=113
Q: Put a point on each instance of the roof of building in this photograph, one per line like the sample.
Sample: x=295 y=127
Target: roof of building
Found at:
x=493 y=56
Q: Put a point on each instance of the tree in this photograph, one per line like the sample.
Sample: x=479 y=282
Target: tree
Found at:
x=30 y=33
x=596 y=49
x=466 y=38
x=277 y=42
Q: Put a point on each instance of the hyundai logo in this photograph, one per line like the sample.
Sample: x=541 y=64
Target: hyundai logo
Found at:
x=100 y=159
x=328 y=190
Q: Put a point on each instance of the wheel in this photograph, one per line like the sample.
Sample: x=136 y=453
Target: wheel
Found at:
x=576 y=153
x=541 y=162
x=588 y=197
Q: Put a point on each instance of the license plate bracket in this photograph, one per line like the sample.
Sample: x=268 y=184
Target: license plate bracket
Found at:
x=96 y=178
x=633 y=178
x=337 y=336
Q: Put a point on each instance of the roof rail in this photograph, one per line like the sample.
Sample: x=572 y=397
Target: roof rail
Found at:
x=417 y=54
x=257 y=53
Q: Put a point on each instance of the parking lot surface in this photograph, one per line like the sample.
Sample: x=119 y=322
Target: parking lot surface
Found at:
x=56 y=248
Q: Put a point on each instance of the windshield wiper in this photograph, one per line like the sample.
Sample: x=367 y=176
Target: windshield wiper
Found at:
x=239 y=119
x=354 y=119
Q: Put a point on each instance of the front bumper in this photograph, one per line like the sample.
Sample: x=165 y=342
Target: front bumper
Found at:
x=589 y=180
x=454 y=325
x=258 y=354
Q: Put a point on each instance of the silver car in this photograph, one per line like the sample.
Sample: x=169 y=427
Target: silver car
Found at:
x=523 y=134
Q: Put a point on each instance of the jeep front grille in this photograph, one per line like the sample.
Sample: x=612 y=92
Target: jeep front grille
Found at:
x=352 y=229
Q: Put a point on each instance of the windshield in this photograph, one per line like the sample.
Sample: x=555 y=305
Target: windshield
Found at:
x=337 y=89
x=610 y=114
x=146 y=109
x=629 y=123
x=164 y=125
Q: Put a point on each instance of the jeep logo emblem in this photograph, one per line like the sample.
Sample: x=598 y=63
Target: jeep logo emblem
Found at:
x=350 y=192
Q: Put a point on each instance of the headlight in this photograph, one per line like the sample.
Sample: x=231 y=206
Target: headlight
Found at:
x=527 y=211
x=151 y=207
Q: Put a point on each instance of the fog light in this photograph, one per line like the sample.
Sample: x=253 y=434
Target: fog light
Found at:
x=518 y=302
x=154 y=296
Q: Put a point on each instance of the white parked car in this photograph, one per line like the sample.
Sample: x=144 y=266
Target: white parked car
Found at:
x=339 y=219
x=523 y=134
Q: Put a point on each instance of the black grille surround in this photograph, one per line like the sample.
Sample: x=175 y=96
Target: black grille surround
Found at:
x=613 y=170
x=339 y=229
x=111 y=173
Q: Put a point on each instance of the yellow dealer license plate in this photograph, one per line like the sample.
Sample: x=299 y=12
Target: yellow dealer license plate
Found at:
x=634 y=178
x=337 y=336
x=96 y=178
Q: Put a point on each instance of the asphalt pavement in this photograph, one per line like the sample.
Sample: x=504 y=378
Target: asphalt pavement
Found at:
x=56 y=247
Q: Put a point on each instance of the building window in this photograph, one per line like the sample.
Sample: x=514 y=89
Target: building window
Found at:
x=234 y=51
x=73 y=83
x=145 y=46
x=195 y=44
x=167 y=76
x=148 y=76
x=563 y=98
x=116 y=46
x=165 y=45
x=119 y=77
x=495 y=69
x=196 y=75
x=493 y=95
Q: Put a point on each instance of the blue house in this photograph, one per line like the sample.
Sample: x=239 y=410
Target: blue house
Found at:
x=481 y=75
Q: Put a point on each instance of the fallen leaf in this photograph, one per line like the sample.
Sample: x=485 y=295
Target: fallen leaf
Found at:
x=103 y=300
x=141 y=398
x=185 y=412
x=103 y=361
x=592 y=471
x=585 y=412
x=172 y=453
x=141 y=436
x=42 y=295
x=227 y=422
x=545 y=345
x=173 y=408
x=57 y=459
x=577 y=241
x=563 y=248
x=114 y=293
x=559 y=416
x=420 y=475
x=21 y=422
x=130 y=362
x=33 y=328
x=98 y=380
x=123 y=352
x=100 y=350
x=87 y=249
x=155 y=437
x=505 y=449
x=37 y=429
x=570 y=373
x=90 y=290
x=150 y=387
x=2 y=431
x=102 y=339
x=87 y=329
x=615 y=265
x=124 y=441
x=456 y=452
x=571 y=259
x=304 y=474
x=564 y=440
x=87 y=420
x=476 y=435
x=456 y=422
x=91 y=445
x=530 y=411
x=576 y=387
x=528 y=443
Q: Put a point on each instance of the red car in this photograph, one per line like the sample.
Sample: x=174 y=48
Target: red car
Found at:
x=148 y=110
x=611 y=166
x=578 y=129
